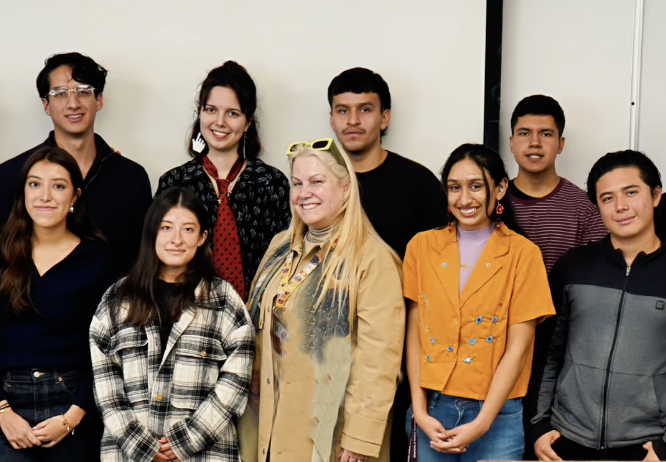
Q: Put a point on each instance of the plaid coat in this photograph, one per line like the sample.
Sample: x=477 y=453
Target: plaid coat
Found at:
x=192 y=394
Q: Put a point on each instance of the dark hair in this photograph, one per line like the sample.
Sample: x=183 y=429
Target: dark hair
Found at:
x=623 y=159
x=16 y=265
x=489 y=161
x=539 y=105
x=138 y=289
x=234 y=76
x=84 y=70
x=361 y=80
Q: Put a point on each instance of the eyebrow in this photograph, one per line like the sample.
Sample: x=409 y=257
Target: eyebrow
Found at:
x=622 y=189
x=463 y=181
x=53 y=179
x=364 y=103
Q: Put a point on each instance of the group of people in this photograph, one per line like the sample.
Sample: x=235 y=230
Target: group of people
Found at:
x=357 y=309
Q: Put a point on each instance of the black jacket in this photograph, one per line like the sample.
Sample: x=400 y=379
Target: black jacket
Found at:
x=116 y=189
x=259 y=200
x=604 y=381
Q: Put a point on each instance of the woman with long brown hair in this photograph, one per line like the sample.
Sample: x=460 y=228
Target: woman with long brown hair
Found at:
x=53 y=272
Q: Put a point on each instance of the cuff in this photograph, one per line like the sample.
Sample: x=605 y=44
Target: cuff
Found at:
x=181 y=444
x=539 y=429
x=138 y=444
x=363 y=435
x=659 y=447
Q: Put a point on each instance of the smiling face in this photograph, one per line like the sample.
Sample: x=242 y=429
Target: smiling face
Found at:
x=626 y=204
x=357 y=120
x=70 y=115
x=177 y=241
x=49 y=194
x=536 y=143
x=222 y=123
x=466 y=195
x=316 y=194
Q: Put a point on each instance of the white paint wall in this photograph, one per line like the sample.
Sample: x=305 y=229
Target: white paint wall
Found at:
x=652 y=107
x=430 y=52
x=578 y=52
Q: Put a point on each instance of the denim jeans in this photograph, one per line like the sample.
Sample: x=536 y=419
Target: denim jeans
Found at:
x=37 y=395
x=504 y=441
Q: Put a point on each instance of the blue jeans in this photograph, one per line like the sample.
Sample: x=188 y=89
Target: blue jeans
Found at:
x=504 y=441
x=36 y=398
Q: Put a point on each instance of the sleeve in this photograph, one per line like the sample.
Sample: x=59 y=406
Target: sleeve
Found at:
x=409 y=271
x=281 y=209
x=546 y=378
x=227 y=401
x=593 y=226
x=141 y=201
x=530 y=298
x=135 y=441
x=380 y=319
x=434 y=203
x=166 y=181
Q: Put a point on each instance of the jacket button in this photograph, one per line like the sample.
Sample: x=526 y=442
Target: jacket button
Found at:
x=432 y=341
x=268 y=380
x=479 y=320
x=449 y=348
x=472 y=341
x=203 y=353
x=158 y=398
x=264 y=451
x=443 y=265
x=487 y=265
x=494 y=320
x=489 y=339
x=429 y=358
x=467 y=360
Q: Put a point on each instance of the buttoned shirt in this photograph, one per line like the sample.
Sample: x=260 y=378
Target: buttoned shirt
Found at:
x=463 y=337
x=192 y=393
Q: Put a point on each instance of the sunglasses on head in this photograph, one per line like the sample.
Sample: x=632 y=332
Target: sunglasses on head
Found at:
x=324 y=144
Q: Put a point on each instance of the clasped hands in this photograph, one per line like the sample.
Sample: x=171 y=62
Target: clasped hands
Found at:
x=45 y=434
x=454 y=441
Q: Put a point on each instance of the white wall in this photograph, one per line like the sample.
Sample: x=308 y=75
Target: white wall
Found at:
x=652 y=107
x=578 y=52
x=430 y=52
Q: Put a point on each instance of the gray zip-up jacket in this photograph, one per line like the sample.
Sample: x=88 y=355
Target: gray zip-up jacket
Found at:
x=604 y=381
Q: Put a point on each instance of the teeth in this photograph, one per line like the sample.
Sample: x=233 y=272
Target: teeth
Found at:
x=216 y=133
x=78 y=116
x=469 y=211
x=534 y=156
x=310 y=206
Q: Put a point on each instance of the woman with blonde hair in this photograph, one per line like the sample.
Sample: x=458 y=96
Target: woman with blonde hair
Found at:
x=329 y=314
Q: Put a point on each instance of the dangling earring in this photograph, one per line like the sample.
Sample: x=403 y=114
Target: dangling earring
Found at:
x=499 y=209
x=244 y=143
x=71 y=209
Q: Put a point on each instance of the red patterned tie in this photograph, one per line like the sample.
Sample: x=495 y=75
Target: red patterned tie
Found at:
x=226 y=242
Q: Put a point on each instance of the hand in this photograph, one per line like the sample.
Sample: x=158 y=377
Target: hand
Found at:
x=651 y=455
x=348 y=456
x=165 y=449
x=51 y=431
x=198 y=144
x=456 y=440
x=431 y=427
x=17 y=430
x=542 y=447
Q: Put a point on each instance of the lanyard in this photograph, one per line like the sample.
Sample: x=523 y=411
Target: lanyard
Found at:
x=287 y=286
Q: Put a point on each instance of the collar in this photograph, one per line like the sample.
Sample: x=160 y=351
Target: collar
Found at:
x=103 y=151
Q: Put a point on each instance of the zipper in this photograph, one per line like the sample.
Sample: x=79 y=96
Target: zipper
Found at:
x=602 y=439
x=97 y=172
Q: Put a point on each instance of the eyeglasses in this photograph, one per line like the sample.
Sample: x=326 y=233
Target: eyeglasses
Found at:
x=82 y=92
x=324 y=144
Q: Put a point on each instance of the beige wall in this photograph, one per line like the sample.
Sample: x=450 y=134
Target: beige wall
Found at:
x=431 y=53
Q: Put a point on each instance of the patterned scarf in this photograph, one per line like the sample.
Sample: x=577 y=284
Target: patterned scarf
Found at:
x=227 y=257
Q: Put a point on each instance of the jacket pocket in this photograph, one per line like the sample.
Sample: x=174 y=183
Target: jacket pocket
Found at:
x=129 y=348
x=659 y=383
x=197 y=365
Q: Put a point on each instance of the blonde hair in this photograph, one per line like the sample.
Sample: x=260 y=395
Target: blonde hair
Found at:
x=341 y=266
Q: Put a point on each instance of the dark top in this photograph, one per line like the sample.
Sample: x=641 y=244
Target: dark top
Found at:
x=54 y=335
x=259 y=200
x=402 y=198
x=165 y=292
x=517 y=193
x=117 y=191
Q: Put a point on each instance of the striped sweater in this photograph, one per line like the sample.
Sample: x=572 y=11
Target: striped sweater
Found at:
x=563 y=219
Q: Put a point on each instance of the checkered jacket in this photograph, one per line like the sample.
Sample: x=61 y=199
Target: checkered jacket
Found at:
x=193 y=394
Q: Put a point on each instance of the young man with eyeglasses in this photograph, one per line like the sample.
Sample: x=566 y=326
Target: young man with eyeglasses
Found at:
x=401 y=197
x=117 y=189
